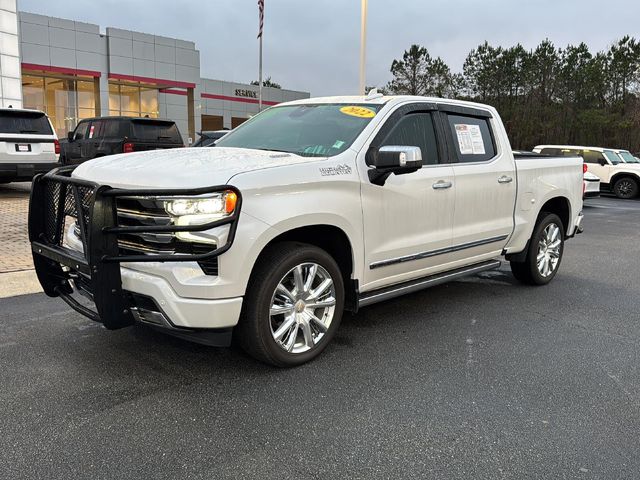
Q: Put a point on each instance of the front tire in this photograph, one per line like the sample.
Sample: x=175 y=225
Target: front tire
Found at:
x=293 y=305
x=544 y=254
x=626 y=188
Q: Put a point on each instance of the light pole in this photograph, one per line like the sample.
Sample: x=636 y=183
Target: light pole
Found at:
x=363 y=44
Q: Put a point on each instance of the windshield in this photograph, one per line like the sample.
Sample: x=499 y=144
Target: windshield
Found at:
x=612 y=157
x=320 y=130
x=627 y=157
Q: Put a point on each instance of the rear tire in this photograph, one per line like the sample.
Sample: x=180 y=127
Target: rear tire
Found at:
x=626 y=188
x=293 y=305
x=544 y=253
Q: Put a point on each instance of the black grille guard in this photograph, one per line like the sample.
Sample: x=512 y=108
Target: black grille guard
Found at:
x=56 y=195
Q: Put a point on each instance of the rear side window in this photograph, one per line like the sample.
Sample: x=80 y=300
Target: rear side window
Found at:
x=561 y=152
x=590 y=156
x=111 y=129
x=156 y=131
x=550 y=151
x=416 y=130
x=472 y=138
x=35 y=123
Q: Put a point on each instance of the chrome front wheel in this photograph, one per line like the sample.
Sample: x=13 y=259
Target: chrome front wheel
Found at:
x=302 y=307
x=293 y=304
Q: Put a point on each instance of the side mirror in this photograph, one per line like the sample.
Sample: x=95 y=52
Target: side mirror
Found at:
x=70 y=136
x=602 y=162
x=395 y=159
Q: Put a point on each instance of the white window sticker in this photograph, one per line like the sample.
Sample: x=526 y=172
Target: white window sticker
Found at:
x=477 y=144
x=469 y=139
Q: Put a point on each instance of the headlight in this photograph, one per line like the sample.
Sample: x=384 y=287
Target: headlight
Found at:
x=198 y=211
x=204 y=208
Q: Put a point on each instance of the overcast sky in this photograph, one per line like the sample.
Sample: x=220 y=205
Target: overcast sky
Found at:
x=313 y=45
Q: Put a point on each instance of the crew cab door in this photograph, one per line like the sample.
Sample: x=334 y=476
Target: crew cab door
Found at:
x=73 y=148
x=485 y=178
x=408 y=220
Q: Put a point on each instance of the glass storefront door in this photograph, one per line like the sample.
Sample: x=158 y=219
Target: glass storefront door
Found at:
x=133 y=100
x=65 y=99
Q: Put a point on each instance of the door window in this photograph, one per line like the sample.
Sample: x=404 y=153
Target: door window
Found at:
x=472 y=138
x=95 y=131
x=590 y=156
x=81 y=131
x=416 y=130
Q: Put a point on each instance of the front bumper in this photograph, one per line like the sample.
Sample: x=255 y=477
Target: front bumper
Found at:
x=180 y=312
x=119 y=295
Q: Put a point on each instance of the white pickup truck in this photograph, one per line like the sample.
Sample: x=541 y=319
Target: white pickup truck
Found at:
x=308 y=209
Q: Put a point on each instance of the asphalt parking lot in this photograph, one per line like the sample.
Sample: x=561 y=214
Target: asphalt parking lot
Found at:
x=480 y=378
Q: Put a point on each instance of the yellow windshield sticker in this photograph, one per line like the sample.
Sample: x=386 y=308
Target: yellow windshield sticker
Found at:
x=360 y=112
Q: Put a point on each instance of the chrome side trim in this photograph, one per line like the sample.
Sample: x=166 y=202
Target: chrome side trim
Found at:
x=425 y=282
x=440 y=251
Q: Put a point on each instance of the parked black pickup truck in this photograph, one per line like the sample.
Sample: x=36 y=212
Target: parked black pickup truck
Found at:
x=97 y=137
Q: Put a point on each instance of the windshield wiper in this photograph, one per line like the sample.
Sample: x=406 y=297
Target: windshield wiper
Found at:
x=28 y=131
x=274 y=150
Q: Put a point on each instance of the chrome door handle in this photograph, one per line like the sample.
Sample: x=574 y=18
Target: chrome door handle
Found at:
x=505 y=179
x=441 y=185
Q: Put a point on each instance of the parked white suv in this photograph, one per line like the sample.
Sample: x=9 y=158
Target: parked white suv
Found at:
x=617 y=176
x=307 y=209
x=28 y=144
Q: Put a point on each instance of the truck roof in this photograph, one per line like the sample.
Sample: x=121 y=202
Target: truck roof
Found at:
x=12 y=109
x=383 y=99
x=574 y=147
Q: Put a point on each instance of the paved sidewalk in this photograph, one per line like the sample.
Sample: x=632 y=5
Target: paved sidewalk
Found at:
x=15 y=254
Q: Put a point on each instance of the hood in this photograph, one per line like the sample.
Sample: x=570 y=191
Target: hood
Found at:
x=181 y=167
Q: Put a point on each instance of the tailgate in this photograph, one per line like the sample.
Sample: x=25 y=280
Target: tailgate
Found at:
x=27 y=150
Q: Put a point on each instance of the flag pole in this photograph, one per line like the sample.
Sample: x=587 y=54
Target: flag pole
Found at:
x=260 y=78
x=363 y=44
x=260 y=31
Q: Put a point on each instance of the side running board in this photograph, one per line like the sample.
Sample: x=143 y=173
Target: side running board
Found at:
x=411 y=286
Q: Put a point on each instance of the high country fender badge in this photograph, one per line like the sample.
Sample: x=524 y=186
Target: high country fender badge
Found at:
x=337 y=170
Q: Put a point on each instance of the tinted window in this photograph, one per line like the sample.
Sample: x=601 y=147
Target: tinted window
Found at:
x=472 y=140
x=416 y=130
x=570 y=152
x=154 y=131
x=550 y=151
x=81 y=131
x=95 y=131
x=111 y=128
x=592 y=157
x=24 y=122
x=561 y=152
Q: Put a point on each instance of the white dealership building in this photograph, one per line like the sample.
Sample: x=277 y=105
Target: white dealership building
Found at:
x=74 y=70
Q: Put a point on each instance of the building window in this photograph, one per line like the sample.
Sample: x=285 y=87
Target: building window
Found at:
x=133 y=101
x=65 y=99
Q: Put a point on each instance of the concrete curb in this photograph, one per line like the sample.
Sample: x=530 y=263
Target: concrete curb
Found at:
x=21 y=282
